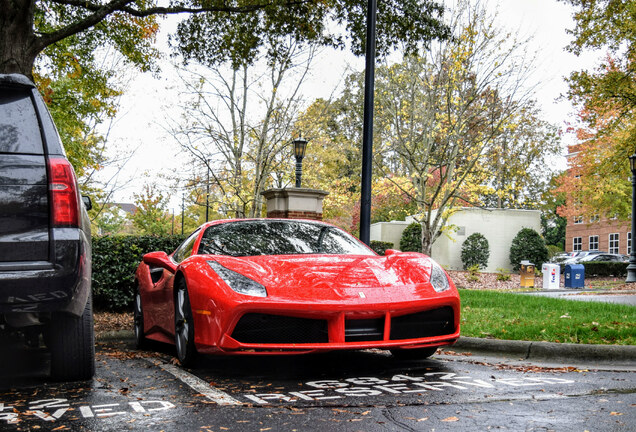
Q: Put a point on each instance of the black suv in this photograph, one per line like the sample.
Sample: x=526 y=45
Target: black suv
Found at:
x=45 y=243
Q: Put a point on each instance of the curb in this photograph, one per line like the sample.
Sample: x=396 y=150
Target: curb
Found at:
x=115 y=335
x=531 y=350
x=528 y=350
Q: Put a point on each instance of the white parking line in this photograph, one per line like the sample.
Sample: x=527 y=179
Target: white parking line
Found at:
x=196 y=383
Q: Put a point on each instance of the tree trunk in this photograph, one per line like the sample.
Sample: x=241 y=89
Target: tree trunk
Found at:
x=18 y=44
x=427 y=244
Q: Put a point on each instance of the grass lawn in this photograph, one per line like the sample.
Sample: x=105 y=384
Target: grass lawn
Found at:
x=503 y=315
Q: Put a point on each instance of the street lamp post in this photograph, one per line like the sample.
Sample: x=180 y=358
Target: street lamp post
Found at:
x=182 y=211
x=300 y=145
x=631 y=268
x=207 y=190
x=367 y=127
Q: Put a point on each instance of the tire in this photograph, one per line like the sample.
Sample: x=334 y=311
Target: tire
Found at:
x=413 y=354
x=73 y=345
x=138 y=322
x=184 y=327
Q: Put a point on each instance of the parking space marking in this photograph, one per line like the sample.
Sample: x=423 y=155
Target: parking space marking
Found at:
x=52 y=410
x=398 y=384
x=196 y=383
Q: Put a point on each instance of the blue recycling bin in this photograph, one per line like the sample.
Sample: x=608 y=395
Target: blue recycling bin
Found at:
x=574 y=276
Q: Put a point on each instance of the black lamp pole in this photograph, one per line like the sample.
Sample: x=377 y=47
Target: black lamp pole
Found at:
x=631 y=268
x=207 y=190
x=367 y=128
x=300 y=146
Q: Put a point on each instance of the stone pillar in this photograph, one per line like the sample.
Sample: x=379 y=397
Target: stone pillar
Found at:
x=294 y=203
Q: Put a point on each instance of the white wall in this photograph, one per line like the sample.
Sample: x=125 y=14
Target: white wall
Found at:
x=497 y=225
x=388 y=231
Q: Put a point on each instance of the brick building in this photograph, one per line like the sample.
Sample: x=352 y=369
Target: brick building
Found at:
x=608 y=235
x=595 y=233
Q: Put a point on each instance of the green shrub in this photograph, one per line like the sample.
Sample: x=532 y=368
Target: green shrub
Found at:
x=503 y=274
x=115 y=260
x=528 y=245
x=474 y=273
x=380 y=246
x=411 y=240
x=605 y=268
x=475 y=251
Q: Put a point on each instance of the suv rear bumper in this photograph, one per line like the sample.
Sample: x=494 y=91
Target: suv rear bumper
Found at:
x=40 y=286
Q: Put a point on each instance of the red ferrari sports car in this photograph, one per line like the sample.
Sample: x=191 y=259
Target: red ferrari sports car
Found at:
x=284 y=286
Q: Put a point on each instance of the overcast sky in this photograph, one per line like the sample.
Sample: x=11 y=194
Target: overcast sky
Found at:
x=147 y=102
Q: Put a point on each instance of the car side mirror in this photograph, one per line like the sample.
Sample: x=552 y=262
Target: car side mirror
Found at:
x=159 y=259
x=87 y=202
x=389 y=252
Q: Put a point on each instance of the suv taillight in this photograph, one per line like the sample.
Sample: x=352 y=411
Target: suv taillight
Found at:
x=64 y=195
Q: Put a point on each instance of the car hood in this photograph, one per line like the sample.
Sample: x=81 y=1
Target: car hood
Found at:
x=337 y=276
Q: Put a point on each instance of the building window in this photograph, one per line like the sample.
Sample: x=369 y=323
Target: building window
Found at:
x=614 y=243
x=578 y=219
x=593 y=242
x=577 y=242
x=629 y=243
x=595 y=219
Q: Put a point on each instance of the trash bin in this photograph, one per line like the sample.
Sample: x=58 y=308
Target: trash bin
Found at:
x=574 y=276
x=526 y=274
x=551 y=276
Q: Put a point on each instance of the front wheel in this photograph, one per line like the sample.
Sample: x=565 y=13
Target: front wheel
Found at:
x=184 y=326
x=140 y=338
x=413 y=354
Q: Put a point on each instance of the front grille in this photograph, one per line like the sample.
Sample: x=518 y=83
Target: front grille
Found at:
x=436 y=322
x=275 y=329
x=363 y=330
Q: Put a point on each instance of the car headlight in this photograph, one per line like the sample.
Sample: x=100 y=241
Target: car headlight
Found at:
x=438 y=278
x=239 y=283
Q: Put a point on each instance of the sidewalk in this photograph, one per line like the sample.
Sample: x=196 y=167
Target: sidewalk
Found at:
x=586 y=294
x=615 y=355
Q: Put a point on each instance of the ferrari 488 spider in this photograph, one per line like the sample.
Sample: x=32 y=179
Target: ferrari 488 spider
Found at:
x=283 y=286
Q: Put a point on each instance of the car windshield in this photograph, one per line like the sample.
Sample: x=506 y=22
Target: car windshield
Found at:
x=275 y=237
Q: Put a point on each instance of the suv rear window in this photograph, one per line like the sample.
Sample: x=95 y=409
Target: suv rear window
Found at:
x=19 y=126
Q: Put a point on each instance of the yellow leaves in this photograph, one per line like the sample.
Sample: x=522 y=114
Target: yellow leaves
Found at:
x=76 y=67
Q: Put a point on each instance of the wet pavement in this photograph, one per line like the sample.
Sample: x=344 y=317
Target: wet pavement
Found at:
x=351 y=391
x=627 y=298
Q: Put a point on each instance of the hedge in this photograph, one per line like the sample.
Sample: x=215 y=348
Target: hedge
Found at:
x=115 y=260
x=475 y=251
x=380 y=246
x=411 y=240
x=605 y=268
x=528 y=245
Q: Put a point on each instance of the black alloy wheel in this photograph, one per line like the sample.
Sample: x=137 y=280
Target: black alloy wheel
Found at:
x=184 y=326
x=138 y=317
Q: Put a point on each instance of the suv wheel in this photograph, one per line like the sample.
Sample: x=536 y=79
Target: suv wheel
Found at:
x=73 y=345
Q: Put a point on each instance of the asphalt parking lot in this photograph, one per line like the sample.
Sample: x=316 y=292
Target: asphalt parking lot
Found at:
x=357 y=391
